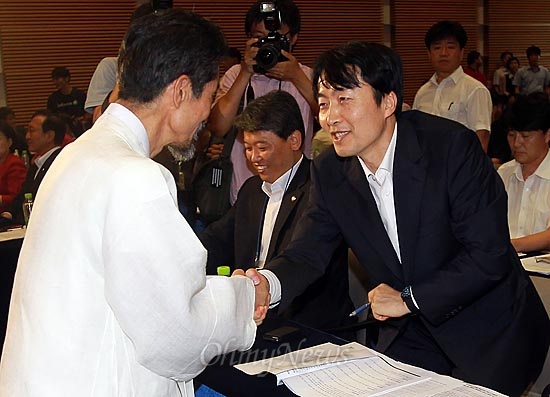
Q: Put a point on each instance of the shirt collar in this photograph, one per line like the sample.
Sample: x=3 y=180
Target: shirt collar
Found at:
x=456 y=76
x=282 y=183
x=542 y=171
x=135 y=134
x=387 y=162
x=39 y=161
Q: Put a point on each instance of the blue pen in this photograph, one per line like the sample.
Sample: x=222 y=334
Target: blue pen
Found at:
x=360 y=309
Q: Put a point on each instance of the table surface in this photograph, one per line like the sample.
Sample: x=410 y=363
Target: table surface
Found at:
x=12 y=234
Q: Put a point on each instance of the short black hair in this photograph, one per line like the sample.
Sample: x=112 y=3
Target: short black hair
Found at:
x=276 y=111
x=532 y=50
x=290 y=15
x=529 y=113
x=7 y=130
x=60 y=71
x=164 y=46
x=52 y=122
x=141 y=11
x=509 y=61
x=503 y=54
x=444 y=29
x=472 y=56
x=343 y=67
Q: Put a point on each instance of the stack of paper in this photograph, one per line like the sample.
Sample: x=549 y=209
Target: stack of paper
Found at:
x=354 y=370
x=537 y=264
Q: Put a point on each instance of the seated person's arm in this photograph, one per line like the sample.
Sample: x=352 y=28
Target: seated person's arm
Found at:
x=533 y=242
x=483 y=136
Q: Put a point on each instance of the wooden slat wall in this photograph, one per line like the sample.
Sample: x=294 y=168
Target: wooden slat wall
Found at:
x=38 y=35
x=515 y=26
x=411 y=20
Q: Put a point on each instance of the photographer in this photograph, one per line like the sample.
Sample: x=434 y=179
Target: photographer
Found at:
x=287 y=75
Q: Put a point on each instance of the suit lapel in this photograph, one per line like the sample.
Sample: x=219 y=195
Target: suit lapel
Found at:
x=369 y=218
x=46 y=166
x=290 y=200
x=409 y=175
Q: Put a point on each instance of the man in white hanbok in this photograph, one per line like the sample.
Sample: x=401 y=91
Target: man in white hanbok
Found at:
x=110 y=295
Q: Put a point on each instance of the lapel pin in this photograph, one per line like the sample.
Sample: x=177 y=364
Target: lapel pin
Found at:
x=293 y=198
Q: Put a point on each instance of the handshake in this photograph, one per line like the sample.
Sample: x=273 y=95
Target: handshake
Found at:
x=263 y=297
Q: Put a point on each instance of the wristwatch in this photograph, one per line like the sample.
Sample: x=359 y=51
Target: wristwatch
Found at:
x=407 y=298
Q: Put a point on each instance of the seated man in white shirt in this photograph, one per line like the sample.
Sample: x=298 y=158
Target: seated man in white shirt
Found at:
x=527 y=177
x=450 y=92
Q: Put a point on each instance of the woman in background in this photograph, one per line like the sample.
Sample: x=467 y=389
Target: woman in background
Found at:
x=12 y=169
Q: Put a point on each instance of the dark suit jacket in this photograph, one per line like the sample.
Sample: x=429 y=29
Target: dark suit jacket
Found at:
x=233 y=241
x=476 y=300
x=30 y=185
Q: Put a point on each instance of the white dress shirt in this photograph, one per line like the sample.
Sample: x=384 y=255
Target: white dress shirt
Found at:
x=458 y=97
x=111 y=296
x=528 y=200
x=381 y=186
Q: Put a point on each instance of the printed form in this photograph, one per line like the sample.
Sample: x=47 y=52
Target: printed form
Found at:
x=354 y=370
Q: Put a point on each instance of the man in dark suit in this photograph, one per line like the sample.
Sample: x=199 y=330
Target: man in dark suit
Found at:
x=44 y=137
x=423 y=209
x=269 y=207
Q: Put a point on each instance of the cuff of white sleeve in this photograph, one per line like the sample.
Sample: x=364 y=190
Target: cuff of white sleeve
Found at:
x=414 y=300
x=274 y=287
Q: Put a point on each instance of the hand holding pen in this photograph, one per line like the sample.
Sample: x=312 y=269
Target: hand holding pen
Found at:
x=360 y=309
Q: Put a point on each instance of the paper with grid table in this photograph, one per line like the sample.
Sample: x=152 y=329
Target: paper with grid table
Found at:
x=354 y=370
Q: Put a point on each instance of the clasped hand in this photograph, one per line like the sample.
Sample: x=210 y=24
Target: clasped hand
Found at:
x=262 y=295
x=386 y=302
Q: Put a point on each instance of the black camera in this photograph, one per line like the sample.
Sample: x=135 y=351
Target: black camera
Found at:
x=269 y=53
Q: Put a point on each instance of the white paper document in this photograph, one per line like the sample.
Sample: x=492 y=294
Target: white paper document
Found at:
x=537 y=264
x=354 y=370
x=307 y=360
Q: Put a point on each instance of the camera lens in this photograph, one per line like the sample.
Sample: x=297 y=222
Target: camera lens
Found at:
x=267 y=56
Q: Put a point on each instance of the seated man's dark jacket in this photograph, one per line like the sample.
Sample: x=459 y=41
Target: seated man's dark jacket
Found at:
x=233 y=241
x=30 y=185
x=476 y=301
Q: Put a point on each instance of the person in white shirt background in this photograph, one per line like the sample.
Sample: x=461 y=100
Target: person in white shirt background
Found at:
x=527 y=177
x=450 y=92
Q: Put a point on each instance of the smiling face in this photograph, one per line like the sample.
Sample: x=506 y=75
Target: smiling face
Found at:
x=445 y=56
x=357 y=125
x=270 y=154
